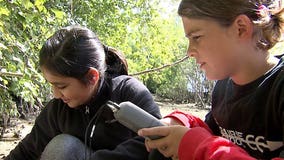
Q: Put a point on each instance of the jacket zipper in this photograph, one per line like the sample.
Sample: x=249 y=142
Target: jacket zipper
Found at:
x=87 y=139
x=87 y=110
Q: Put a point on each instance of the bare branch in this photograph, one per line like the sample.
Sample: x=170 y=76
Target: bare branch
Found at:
x=160 y=68
x=11 y=74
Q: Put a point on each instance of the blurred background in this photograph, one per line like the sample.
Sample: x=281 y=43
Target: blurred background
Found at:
x=148 y=32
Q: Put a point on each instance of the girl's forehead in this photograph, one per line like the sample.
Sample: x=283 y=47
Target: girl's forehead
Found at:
x=196 y=25
x=46 y=71
x=52 y=77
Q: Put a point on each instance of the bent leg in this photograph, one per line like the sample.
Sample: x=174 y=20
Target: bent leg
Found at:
x=64 y=147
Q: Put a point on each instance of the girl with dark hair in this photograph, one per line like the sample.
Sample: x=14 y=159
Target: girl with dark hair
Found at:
x=230 y=40
x=84 y=75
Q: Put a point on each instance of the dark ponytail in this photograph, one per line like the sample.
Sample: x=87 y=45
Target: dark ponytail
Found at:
x=115 y=61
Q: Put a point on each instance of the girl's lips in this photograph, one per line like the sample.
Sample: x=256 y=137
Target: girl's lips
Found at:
x=201 y=64
x=65 y=100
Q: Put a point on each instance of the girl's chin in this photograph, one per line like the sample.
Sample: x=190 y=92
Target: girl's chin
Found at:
x=210 y=76
x=71 y=105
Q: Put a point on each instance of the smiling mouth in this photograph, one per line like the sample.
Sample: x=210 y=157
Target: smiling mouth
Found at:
x=65 y=101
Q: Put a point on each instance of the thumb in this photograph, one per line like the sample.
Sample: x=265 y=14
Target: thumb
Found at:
x=157 y=131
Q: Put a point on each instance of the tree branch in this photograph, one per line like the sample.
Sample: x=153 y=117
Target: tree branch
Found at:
x=160 y=68
x=11 y=74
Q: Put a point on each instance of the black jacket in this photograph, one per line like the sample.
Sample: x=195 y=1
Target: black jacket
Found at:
x=110 y=141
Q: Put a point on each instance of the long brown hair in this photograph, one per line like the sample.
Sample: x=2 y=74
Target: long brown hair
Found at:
x=266 y=15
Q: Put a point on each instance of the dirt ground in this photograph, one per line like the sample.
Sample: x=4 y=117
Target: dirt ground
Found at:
x=20 y=128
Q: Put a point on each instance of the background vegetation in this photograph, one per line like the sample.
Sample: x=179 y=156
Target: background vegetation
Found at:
x=148 y=32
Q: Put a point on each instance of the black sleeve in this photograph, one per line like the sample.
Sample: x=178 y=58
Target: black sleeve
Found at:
x=133 y=149
x=34 y=143
x=134 y=91
x=130 y=89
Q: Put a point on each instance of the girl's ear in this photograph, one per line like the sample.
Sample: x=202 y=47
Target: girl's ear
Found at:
x=244 y=27
x=93 y=75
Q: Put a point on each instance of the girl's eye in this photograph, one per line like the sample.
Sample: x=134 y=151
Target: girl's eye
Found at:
x=61 y=87
x=196 y=38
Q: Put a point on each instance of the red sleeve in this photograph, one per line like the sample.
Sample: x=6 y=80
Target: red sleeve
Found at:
x=188 y=120
x=198 y=143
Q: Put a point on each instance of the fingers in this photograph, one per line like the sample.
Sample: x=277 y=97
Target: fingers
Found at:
x=169 y=143
x=158 y=143
x=168 y=151
x=174 y=157
x=165 y=151
x=158 y=131
x=146 y=144
x=163 y=145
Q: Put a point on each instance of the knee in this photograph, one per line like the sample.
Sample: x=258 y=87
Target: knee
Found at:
x=64 y=141
x=63 y=146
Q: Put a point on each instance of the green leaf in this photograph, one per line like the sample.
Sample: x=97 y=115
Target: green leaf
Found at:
x=4 y=11
x=39 y=5
x=58 y=14
x=5 y=82
x=27 y=4
x=2 y=46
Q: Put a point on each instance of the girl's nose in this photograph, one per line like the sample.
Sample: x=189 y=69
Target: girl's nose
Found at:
x=191 y=52
x=56 y=93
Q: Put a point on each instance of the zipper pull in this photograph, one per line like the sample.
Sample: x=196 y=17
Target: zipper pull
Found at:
x=92 y=132
x=87 y=111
